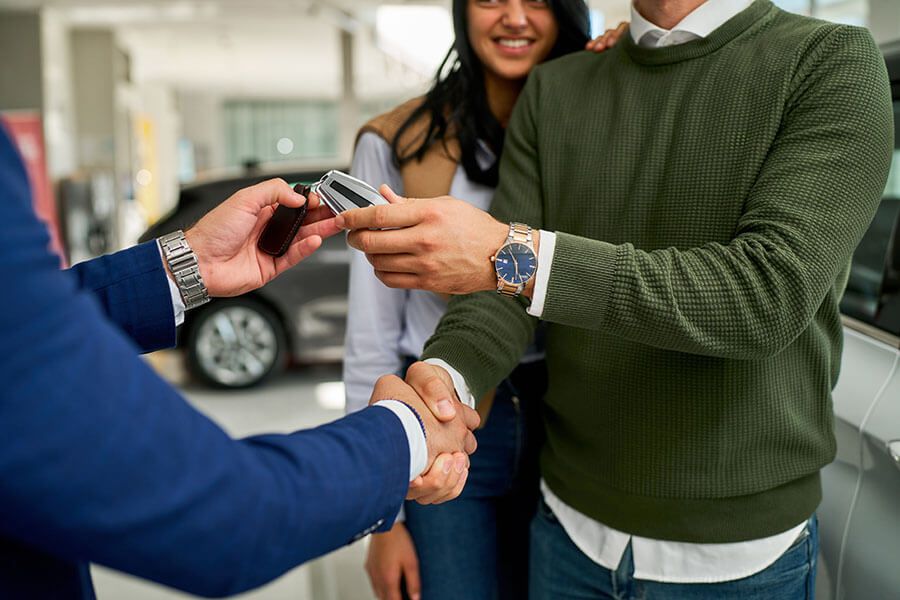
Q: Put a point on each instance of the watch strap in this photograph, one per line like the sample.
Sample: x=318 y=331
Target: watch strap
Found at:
x=185 y=269
x=521 y=233
x=508 y=289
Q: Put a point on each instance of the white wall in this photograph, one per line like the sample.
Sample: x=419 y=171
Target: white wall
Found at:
x=884 y=19
x=59 y=105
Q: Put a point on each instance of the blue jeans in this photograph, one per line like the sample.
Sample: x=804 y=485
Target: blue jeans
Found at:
x=476 y=547
x=560 y=571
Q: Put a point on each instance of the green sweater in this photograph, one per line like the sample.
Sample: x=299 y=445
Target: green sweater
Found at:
x=707 y=199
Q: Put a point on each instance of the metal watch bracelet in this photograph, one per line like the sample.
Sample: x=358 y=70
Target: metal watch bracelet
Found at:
x=185 y=270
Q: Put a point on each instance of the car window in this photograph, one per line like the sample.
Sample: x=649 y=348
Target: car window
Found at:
x=868 y=296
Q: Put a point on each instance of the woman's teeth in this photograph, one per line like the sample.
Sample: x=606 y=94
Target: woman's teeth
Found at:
x=514 y=43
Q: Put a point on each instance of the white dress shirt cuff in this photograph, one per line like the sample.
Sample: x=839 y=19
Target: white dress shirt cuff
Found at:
x=462 y=390
x=177 y=300
x=415 y=434
x=542 y=277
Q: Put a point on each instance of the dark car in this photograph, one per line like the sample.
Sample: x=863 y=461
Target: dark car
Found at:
x=298 y=317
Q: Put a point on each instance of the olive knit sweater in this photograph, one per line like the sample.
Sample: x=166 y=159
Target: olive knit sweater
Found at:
x=707 y=199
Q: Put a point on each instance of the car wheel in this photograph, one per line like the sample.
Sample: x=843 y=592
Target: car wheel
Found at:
x=236 y=343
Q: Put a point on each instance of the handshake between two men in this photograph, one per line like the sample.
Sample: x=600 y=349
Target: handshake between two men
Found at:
x=231 y=264
x=447 y=423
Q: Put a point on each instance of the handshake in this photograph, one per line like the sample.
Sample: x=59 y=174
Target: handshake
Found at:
x=231 y=263
x=448 y=429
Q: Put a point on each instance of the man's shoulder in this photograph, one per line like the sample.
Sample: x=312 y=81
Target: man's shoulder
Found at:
x=812 y=37
x=576 y=62
x=576 y=68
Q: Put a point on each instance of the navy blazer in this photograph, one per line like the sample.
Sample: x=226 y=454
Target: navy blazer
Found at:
x=102 y=461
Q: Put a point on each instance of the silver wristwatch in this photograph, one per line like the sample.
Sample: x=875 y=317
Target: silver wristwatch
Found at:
x=183 y=263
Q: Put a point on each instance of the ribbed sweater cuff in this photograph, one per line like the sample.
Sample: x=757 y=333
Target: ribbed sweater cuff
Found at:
x=581 y=281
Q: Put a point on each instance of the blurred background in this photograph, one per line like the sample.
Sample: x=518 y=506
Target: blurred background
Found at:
x=136 y=117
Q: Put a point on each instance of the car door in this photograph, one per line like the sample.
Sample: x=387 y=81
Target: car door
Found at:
x=313 y=298
x=860 y=512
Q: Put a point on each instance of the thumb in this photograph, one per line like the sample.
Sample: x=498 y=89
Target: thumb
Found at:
x=272 y=191
x=437 y=393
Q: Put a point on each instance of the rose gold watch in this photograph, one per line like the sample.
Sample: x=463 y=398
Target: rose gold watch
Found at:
x=515 y=262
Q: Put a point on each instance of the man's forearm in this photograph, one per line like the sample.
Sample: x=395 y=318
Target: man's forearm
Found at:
x=483 y=336
x=131 y=287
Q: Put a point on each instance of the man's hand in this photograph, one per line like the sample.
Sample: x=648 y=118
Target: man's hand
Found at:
x=434 y=385
x=225 y=239
x=449 y=443
x=441 y=244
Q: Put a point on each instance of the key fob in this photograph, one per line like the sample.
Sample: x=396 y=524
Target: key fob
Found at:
x=341 y=192
x=279 y=232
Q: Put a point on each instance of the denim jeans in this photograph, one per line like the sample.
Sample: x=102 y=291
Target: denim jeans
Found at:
x=560 y=571
x=476 y=547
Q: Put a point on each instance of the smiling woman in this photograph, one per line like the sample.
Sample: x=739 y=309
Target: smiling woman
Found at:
x=511 y=37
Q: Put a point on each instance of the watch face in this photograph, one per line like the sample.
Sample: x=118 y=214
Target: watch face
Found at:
x=515 y=263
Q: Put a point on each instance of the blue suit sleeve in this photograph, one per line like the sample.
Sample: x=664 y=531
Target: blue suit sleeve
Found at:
x=102 y=461
x=133 y=292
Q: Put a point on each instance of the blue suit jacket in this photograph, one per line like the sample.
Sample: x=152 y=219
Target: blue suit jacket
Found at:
x=102 y=461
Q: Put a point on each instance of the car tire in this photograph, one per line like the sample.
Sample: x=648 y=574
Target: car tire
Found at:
x=236 y=343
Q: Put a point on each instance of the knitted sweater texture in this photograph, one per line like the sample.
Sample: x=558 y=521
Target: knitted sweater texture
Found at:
x=707 y=199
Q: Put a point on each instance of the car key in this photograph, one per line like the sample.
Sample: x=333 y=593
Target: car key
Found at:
x=337 y=190
x=276 y=238
x=341 y=192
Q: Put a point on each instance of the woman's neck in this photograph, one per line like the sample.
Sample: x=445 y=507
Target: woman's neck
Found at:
x=501 y=96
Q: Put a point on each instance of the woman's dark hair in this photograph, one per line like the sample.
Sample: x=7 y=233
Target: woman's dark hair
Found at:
x=457 y=102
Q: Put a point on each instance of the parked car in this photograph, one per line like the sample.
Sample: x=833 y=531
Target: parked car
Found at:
x=859 y=518
x=298 y=317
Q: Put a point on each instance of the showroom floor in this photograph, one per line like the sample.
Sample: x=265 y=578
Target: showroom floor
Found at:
x=302 y=398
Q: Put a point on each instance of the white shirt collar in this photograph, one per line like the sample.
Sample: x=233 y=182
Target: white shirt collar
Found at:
x=705 y=19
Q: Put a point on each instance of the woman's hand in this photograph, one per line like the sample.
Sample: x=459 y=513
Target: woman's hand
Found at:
x=391 y=559
x=607 y=39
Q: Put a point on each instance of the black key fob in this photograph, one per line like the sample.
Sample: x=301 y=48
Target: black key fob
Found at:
x=279 y=232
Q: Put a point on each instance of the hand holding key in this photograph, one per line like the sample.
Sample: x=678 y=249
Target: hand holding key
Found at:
x=226 y=240
x=336 y=190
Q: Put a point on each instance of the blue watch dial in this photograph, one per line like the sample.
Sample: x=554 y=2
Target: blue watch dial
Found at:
x=515 y=263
